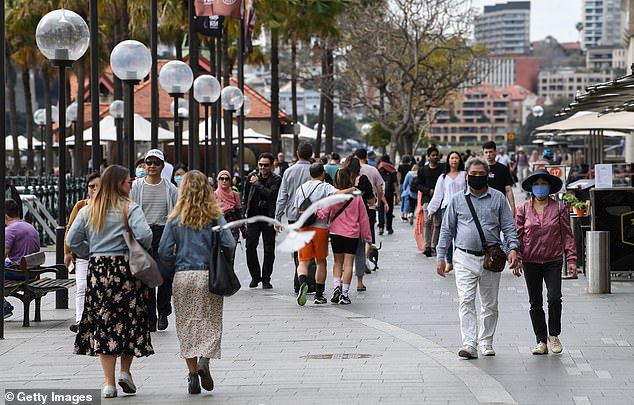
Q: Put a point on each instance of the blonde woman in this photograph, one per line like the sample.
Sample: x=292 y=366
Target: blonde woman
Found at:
x=185 y=250
x=115 y=318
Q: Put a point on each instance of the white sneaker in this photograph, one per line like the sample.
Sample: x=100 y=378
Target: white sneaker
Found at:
x=468 y=352
x=487 y=350
x=541 y=348
x=126 y=383
x=109 y=391
x=555 y=344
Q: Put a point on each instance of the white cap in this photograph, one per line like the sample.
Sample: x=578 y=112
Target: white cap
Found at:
x=155 y=153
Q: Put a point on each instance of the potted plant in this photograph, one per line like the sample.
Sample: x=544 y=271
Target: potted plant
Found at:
x=570 y=199
x=580 y=208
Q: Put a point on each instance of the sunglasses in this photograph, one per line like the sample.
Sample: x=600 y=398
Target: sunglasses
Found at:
x=151 y=162
x=224 y=179
x=92 y=186
x=264 y=164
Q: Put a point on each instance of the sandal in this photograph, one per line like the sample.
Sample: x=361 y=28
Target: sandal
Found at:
x=361 y=289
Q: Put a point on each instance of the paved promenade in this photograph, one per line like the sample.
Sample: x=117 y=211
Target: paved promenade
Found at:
x=396 y=344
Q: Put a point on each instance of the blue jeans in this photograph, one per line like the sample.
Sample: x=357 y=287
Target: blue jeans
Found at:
x=359 y=259
x=449 y=257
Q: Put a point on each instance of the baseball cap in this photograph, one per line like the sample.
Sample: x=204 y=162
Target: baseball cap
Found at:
x=155 y=153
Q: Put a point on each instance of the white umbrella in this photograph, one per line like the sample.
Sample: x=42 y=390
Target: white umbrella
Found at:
x=23 y=143
x=142 y=131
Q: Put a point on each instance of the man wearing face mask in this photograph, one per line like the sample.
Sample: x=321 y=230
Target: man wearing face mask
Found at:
x=157 y=198
x=458 y=225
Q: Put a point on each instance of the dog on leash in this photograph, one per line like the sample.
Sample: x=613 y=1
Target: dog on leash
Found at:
x=373 y=256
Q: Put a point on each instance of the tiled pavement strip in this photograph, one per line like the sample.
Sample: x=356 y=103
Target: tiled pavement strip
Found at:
x=395 y=344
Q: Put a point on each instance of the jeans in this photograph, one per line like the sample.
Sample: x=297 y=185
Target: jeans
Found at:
x=536 y=274
x=253 y=239
x=81 y=278
x=436 y=220
x=469 y=276
x=160 y=298
x=359 y=259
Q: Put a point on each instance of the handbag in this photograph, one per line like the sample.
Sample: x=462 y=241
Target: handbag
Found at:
x=142 y=265
x=494 y=256
x=223 y=280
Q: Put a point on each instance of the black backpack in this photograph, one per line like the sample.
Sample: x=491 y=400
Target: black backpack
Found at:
x=304 y=206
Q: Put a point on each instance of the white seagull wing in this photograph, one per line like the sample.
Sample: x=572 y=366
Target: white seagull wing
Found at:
x=251 y=220
x=318 y=205
x=294 y=241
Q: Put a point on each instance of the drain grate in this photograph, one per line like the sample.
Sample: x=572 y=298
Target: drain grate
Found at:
x=339 y=356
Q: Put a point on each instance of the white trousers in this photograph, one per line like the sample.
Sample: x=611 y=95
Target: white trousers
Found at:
x=469 y=276
x=81 y=280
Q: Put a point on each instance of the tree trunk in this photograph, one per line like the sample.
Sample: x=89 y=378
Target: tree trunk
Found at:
x=48 y=138
x=226 y=73
x=118 y=84
x=78 y=168
x=275 y=92
x=13 y=117
x=28 y=108
x=320 y=123
x=294 y=89
x=179 y=47
x=329 y=105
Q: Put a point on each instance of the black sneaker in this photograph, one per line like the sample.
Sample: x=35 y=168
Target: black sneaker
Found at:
x=427 y=252
x=344 y=300
x=390 y=231
x=162 y=322
x=301 y=296
x=266 y=285
x=73 y=328
x=253 y=284
x=336 y=293
x=380 y=231
x=320 y=299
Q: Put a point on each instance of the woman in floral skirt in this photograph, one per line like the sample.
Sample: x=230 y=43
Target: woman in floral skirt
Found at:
x=115 y=319
x=185 y=249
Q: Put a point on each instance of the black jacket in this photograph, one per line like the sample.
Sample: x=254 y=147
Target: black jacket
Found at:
x=261 y=195
x=426 y=180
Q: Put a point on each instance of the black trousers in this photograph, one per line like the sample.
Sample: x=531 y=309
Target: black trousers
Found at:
x=372 y=218
x=161 y=301
x=253 y=239
x=386 y=214
x=536 y=275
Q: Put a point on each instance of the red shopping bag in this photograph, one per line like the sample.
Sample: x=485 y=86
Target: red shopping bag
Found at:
x=419 y=225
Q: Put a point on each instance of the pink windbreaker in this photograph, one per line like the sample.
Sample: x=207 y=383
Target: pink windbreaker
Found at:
x=353 y=222
x=546 y=240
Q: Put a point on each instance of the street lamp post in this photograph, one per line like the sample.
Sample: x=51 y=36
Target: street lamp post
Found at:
x=117 y=111
x=181 y=114
x=63 y=37
x=176 y=78
x=39 y=118
x=206 y=92
x=71 y=122
x=131 y=61
x=232 y=99
x=242 y=114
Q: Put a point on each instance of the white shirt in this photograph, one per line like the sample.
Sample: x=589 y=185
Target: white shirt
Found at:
x=504 y=159
x=446 y=188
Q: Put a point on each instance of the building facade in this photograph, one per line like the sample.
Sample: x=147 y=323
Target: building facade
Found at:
x=507 y=70
x=504 y=28
x=566 y=82
x=603 y=23
x=484 y=112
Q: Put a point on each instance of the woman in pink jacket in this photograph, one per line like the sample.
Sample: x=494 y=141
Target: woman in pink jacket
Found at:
x=543 y=230
x=348 y=222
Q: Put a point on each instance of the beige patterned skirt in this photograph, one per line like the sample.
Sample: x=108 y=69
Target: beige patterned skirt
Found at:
x=198 y=315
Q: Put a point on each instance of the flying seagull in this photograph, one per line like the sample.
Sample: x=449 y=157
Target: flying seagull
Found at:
x=292 y=238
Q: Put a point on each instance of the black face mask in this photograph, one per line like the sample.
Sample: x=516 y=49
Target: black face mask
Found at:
x=477 y=182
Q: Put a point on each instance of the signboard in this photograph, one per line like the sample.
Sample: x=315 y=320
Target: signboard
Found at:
x=603 y=176
x=613 y=211
x=559 y=171
x=510 y=142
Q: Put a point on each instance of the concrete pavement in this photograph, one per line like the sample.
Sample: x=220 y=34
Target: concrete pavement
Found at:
x=395 y=344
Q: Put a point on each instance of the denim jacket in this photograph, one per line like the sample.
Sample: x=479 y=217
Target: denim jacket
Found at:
x=183 y=248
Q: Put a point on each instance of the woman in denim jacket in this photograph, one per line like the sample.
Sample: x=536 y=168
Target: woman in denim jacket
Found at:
x=545 y=238
x=185 y=250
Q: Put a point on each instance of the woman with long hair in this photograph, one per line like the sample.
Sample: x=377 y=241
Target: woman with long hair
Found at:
x=81 y=264
x=115 y=318
x=452 y=181
x=229 y=201
x=348 y=222
x=185 y=250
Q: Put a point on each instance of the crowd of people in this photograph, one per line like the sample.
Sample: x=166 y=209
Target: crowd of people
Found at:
x=465 y=205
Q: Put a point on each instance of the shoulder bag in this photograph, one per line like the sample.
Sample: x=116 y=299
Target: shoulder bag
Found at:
x=494 y=256
x=341 y=210
x=222 y=278
x=142 y=265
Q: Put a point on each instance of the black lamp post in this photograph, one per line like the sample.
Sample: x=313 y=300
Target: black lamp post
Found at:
x=176 y=78
x=206 y=92
x=232 y=99
x=117 y=112
x=63 y=37
x=131 y=61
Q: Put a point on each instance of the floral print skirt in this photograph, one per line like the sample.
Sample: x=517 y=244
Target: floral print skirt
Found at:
x=198 y=315
x=115 y=318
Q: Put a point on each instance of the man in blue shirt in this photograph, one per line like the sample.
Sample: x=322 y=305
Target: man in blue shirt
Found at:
x=458 y=225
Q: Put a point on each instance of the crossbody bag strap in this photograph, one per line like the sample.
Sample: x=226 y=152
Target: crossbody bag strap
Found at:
x=476 y=220
x=341 y=210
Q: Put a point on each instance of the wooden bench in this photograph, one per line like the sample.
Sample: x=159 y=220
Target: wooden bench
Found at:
x=34 y=286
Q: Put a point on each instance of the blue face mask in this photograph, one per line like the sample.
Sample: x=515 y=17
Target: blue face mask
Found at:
x=177 y=179
x=541 y=190
x=140 y=172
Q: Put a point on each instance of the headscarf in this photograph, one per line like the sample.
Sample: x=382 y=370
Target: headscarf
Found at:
x=226 y=196
x=388 y=167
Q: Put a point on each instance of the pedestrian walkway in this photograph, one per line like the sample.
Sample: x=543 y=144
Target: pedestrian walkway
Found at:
x=395 y=344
